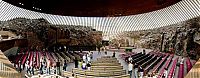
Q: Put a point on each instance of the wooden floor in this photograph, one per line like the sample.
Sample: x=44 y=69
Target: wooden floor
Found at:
x=195 y=71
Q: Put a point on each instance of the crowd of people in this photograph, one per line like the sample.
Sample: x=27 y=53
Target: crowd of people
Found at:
x=45 y=66
x=86 y=62
x=135 y=68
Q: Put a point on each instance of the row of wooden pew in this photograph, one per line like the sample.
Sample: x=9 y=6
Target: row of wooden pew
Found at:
x=156 y=61
x=23 y=55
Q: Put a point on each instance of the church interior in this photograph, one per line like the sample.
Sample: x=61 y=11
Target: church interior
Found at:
x=99 y=39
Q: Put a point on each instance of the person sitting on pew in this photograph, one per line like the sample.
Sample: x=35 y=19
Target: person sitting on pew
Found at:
x=141 y=71
x=135 y=70
x=130 y=68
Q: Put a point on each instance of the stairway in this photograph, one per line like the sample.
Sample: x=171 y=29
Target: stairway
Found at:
x=7 y=70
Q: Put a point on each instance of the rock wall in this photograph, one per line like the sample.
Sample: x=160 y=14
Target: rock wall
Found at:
x=42 y=34
x=178 y=38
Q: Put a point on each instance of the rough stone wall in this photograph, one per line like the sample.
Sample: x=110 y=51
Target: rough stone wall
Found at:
x=178 y=38
x=40 y=33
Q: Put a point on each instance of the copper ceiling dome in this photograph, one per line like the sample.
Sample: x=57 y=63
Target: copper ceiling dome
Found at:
x=93 y=8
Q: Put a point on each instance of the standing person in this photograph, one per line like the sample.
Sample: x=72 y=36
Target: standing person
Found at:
x=99 y=52
x=80 y=64
x=113 y=54
x=65 y=66
x=76 y=62
x=27 y=66
x=48 y=66
x=165 y=73
x=141 y=70
x=31 y=67
x=54 y=68
x=81 y=51
x=84 y=57
x=41 y=65
x=182 y=61
x=136 y=70
x=89 y=66
x=91 y=55
x=144 y=52
x=105 y=52
x=84 y=65
x=19 y=66
x=34 y=66
x=58 y=67
x=130 y=68
x=88 y=59
x=130 y=59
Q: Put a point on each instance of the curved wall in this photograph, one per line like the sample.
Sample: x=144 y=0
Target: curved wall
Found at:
x=183 y=10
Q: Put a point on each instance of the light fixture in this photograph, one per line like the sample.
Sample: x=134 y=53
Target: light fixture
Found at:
x=21 y=3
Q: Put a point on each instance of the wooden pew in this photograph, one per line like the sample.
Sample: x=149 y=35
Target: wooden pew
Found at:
x=54 y=56
x=37 y=59
x=145 y=59
x=31 y=58
x=140 y=58
x=77 y=56
x=63 y=56
x=159 y=65
x=166 y=66
x=72 y=58
x=189 y=64
x=173 y=68
x=60 y=58
x=153 y=64
x=24 y=58
x=144 y=65
x=181 y=71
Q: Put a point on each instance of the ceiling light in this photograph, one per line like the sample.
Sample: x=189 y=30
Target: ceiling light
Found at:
x=21 y=3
